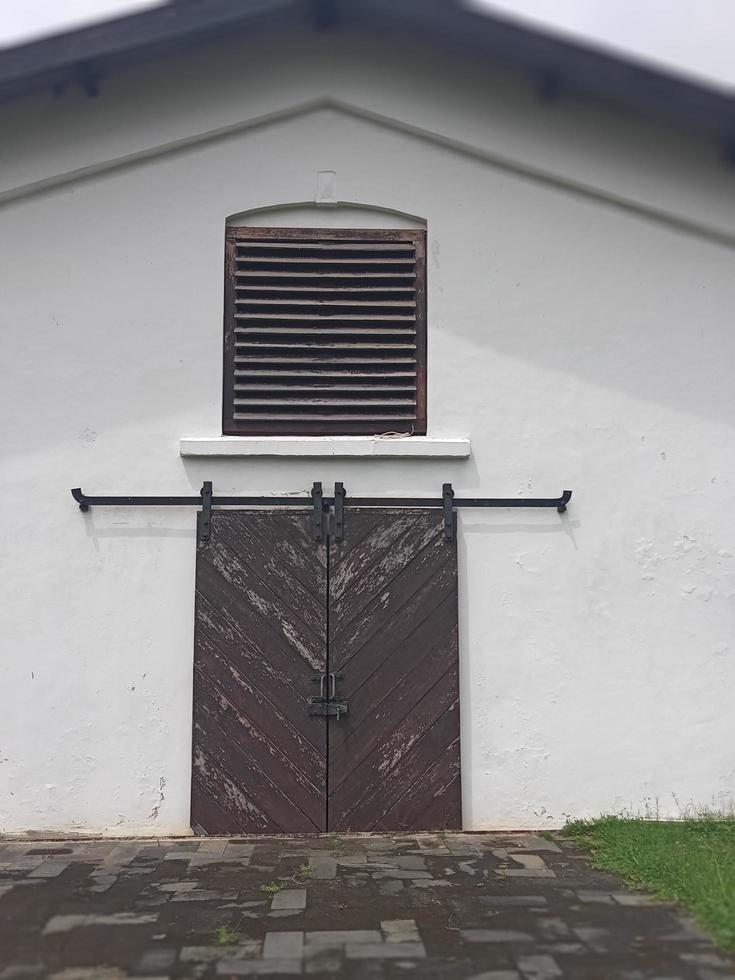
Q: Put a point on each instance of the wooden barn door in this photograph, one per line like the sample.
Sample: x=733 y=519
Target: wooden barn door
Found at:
x=259 y=759
x=374 y=615
x=394 y=757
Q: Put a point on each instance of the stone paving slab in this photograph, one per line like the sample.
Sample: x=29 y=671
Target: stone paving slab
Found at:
x=378 y=907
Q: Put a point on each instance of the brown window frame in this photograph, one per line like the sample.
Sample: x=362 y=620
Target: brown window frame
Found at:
x=274 y=426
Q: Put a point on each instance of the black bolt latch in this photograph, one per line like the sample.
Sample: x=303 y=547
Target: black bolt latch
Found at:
x=327 y=706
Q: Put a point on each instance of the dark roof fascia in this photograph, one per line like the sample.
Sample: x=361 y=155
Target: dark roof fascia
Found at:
x=74 y=56
x=554 y=64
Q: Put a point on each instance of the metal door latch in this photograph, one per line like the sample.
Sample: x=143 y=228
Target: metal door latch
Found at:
x=339 y=511
x=204 y=516
x=317 y=513
x=448 y=511
x=327 y=706
x=328 y=709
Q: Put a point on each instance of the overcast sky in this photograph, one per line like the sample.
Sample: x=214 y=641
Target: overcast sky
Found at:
x=696 y=37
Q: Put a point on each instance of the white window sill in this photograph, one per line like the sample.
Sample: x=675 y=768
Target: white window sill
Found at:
x=409 y=447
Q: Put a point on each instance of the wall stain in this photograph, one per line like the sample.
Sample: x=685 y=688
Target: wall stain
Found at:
x=153 y=815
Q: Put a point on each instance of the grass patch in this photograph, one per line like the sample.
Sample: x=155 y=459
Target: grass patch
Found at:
x=689 y=861
x=338 y=847
x=225 y=936
x=272 y=888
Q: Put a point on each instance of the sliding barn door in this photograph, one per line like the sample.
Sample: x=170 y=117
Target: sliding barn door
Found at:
x=394 y=757
x=259 y=758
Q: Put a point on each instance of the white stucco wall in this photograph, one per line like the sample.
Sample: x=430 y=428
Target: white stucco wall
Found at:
x=580 y=334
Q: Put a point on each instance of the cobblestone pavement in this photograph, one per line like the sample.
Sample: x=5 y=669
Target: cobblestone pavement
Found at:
x=482 y=906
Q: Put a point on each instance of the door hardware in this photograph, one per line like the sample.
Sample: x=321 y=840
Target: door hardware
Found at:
x=448 y=510
x=328 y=706
x=339 y=511
x=321 y=506
x=328 y=709
x=333 y=678
x=204 y=516
x=317 y=518
x=208 y=501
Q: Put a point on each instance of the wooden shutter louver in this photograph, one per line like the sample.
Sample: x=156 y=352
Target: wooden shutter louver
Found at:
x=325 y=332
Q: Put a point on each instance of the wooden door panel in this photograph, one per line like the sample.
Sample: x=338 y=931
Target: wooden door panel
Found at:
x=240 y=653
x=399 y=758
x=285 y=554
x=421 y=663
x=366 y=659
x=238 y=586
x=348 y=574
x=254 y=767
x=349 y=635
x=394 y=758
x=259 y=758
x=442 y=809
x=233 y=705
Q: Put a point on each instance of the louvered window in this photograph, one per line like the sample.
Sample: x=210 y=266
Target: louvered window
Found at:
x=325 y=331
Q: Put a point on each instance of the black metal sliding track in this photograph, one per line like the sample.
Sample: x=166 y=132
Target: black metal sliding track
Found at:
x=321 y=504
